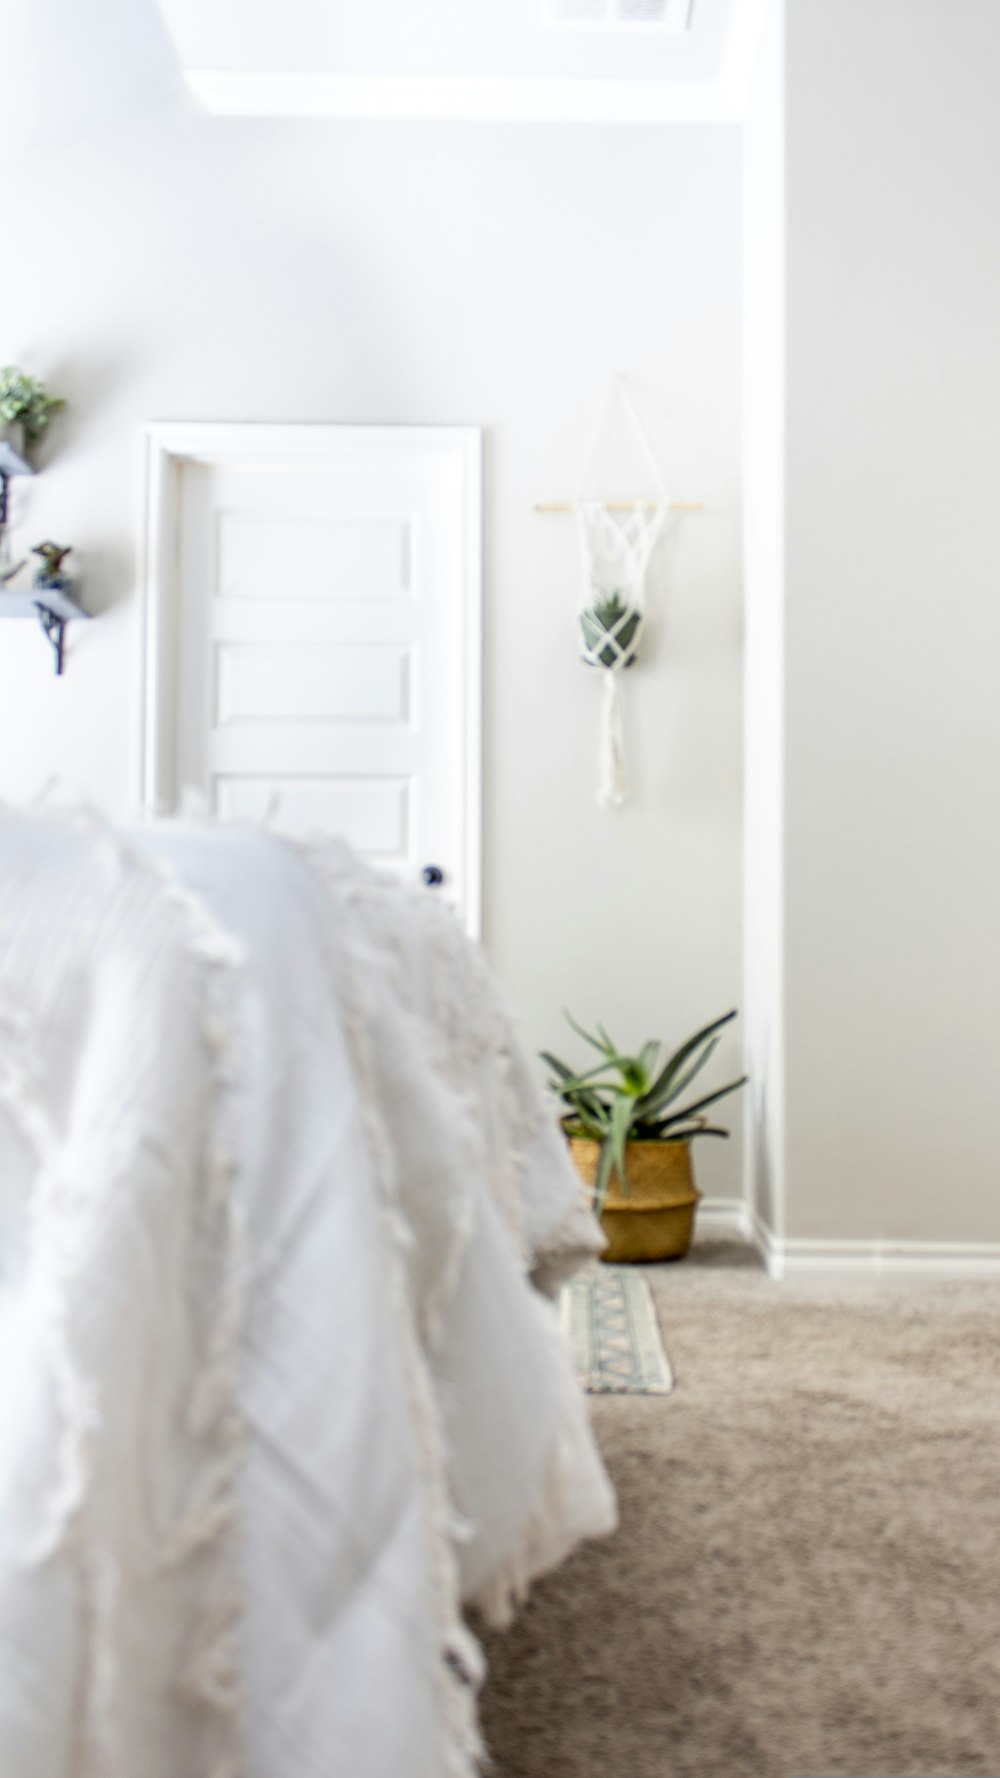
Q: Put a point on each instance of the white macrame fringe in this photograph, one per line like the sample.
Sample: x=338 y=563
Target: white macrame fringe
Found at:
x=612 y=778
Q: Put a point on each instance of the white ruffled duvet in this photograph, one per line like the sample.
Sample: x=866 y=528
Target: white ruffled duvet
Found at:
x=276 y=1392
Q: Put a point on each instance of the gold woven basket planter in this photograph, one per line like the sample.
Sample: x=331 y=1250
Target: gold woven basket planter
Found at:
x=655 y=1219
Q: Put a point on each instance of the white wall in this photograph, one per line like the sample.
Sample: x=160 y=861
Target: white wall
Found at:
x=764 y=582
x=893 y=627
x=170 y=266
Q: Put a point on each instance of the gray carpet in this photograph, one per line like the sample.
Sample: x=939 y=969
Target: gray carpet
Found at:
x=807 y=1577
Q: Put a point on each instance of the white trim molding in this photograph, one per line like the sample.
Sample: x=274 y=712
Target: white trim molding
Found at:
x=724 y=1216
x=794 y=1257
x=797 y=1258
x=460 y=98
x=169 y=444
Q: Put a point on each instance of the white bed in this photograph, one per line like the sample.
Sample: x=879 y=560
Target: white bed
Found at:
x=279 y=1387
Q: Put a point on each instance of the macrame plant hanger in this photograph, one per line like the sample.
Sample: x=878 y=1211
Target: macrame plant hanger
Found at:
x=616 y=554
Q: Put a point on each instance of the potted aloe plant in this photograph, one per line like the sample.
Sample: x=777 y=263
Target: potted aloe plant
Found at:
x=631 y=1140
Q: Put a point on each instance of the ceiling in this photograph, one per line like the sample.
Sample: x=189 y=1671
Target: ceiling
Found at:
x=470 y=59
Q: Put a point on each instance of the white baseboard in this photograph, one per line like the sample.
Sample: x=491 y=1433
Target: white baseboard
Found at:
x=792 y=1257
x=724 y=1216
x=925 y=1259
x=767 y=1244
x=795 y=1258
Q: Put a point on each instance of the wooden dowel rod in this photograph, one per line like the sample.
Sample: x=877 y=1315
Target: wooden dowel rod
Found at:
x=621 y=505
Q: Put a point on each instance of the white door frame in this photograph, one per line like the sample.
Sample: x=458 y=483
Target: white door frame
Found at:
x=169 y=444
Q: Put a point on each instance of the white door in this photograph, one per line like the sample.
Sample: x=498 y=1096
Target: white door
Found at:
x=313 y=635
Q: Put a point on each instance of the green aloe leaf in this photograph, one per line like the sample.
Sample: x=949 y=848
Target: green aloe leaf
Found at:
x=647 y=1058
x=589 y=1102
x=556 y=1066
x=691 y=1111
x=634 y=1078
x=674 y=1088
x=602 y=1177
x=591 y=1109
x=672 y=1068
x=621 y=1121
x=682 y=1134
x=591 y=1077
x=574 y=1089
x=606 y=1047
x=578 y=1124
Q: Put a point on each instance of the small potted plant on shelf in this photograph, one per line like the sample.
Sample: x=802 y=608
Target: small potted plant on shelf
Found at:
x=632 y=1142
x=25 y=409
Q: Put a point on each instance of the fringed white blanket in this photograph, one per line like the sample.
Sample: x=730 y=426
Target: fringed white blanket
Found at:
x=276 y=1391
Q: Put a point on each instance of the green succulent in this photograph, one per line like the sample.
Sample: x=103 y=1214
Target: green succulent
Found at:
x=600 y=618
x=23 y=398
x=634 y=1098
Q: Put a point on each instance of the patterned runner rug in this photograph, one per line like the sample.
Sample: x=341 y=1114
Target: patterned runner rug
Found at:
x=610 y=1320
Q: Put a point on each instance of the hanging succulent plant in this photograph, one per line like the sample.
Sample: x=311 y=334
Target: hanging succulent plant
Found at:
x=608 y=629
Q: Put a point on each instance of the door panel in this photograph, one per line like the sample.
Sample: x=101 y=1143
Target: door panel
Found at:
x=373 y=813
x=321 y=558
x=336 y=682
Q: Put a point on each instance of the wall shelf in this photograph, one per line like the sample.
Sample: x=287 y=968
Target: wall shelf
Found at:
x=11 y=462
x=53 y=609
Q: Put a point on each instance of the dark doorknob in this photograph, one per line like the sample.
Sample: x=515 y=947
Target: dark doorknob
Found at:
x=432 y=875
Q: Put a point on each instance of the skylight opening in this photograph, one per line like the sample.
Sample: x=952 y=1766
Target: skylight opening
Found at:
x=669 y=16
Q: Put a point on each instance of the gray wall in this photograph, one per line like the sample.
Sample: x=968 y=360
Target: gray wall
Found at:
x=892 y=882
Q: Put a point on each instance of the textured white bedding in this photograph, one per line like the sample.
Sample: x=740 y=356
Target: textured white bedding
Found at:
x=276 y=1392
